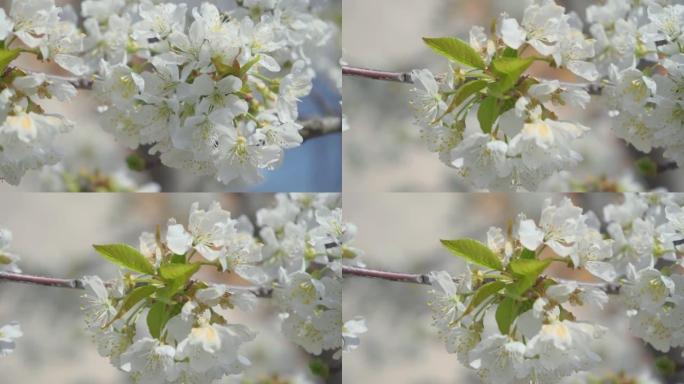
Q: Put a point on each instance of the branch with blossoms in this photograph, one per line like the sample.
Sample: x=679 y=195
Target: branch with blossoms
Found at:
x=511 y=315
x=160 y=310
x=634 y=59
x=408 y=77
x=214 y=94
x=80 y=284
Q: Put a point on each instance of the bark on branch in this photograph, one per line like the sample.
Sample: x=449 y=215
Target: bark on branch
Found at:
x=79 y=284
x=407 y=77
x=424 y=279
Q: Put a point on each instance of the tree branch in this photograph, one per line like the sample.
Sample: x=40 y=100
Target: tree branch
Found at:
x=424 y=279
x=314 y=128
x=399 y=77
x=407 y=78
x=79 y=284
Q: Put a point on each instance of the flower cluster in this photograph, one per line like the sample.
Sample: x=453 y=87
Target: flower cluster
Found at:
x=163 y=325
x=510 y=322
x=188 y=340
x=520 y=141
x=645 y=230
x=10 y=332
x=642 y=55
x=306 y=242
x=215 y=94
x=27 y=133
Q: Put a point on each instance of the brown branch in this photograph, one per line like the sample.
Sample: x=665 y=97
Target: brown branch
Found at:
x=79 y=284
x=399 y=77
x=424 y=279
x=407 y=78
x=42 y=280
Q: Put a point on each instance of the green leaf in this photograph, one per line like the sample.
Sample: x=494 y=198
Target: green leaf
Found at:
x=488 y=113
x=509 y=70
x=528 y=267
x=133 y=298
x=176 y=276
x=465 y=91
x=528 y=254
x=319 y=368
x=136 y=163
x=178 y=259
x=125 y=256
x=647 y=166
x=137 y=295
x=6 y=57
x=527 y=271
x=157 y=318
x=506 y=313
x=474 y=252
x=511 y=66
x=509 y=52
x=178 y=271
x=456 y=50
x=482 y=294
x=665 y=365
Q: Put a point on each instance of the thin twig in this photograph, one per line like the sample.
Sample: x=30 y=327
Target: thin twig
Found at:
x=399 y=77
x=79 y=284
x=42 y=280
x=424 y=279
x=389 y=276
x=407 y=78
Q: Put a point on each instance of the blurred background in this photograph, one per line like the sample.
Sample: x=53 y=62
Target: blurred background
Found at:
x=54 y=233
x=313 y=167
x=400 y=233
x=383 y=151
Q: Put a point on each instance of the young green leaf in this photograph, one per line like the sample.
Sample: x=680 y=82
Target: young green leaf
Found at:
x=505 y=315
x=456 y=50
x=475 y=252
x=157 y=318
x=133 y=298
x=125 y=256
x=488 y=113
x=463 y=93
x=6 y=57
x=178 y=271
x=320 y=368
x=482 y=294
x=529 y=267
x=509 y=52
x=178 y=259
x=137 y=295
x=509 y=70
x=511 y=66
x=527 y=272
x=527 y=254
x=176 y=276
